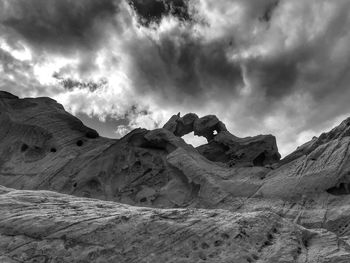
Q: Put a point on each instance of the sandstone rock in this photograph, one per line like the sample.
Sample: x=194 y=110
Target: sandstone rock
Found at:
x=305 y=196
x=44 y=147
x=181 y=126
x=207 y=125
x=319 y=165
x=213 y=182
x=172 y=123
x=41 y=226
x=222 y=145
x=7 y=95
x=187 y=124
x=341 y=131
x=227 y=148
x=163 y=139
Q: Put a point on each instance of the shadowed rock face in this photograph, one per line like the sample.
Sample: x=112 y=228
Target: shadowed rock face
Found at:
x=295 y=210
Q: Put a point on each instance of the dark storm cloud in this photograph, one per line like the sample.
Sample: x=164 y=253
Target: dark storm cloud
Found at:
x=270 y=8
x=275 y=76
x=59 y=25
x=149 y=11
x=71 y=84
x=182 y=66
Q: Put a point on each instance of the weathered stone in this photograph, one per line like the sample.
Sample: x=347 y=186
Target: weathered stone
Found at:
x=294 y=210
x=172 y=123
x=181 y=126
x=222 y=145
x=39 y=226
x=7 y=95
x=227 y=148
x=207 y=125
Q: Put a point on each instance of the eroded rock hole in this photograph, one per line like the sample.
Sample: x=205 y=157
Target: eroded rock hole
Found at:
x=94 y=184
x=299 y=250
x=225 y=236
x=144 y=199
x=341 y=189
x=259 y=160
x=202 y=256
x=204 y=245
x=24 y=147
x=91 y=134
x=218 y=243
x=80 y=143
x=53 y=150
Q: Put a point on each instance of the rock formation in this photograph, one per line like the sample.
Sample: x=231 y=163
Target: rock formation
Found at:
x=40 y=226
x=231 y=199
x=222 y=145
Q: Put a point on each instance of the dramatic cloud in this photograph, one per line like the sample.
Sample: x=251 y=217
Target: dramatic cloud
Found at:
x=61 y=26
x=267 y=66
x=150 y=11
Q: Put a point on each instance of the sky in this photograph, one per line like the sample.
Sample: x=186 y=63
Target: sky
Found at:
x=276 y=67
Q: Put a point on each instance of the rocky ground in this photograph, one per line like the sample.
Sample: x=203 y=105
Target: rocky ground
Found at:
x=69 y=195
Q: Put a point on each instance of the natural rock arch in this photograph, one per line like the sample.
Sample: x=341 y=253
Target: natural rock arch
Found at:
x=205 y=126
x=223 y=146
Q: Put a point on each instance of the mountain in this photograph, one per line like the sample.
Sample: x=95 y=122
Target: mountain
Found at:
x=151 y=197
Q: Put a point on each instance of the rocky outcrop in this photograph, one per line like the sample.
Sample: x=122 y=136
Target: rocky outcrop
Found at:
x=230 y=184
x=39 y=226
x=222 y=145
x=260 y=150
x=205 y=126
x=44 y=147
x=181 y=126
x=323 y=164
x=341 y=131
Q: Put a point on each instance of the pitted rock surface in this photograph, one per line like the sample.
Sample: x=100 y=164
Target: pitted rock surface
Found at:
x=41 y=226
